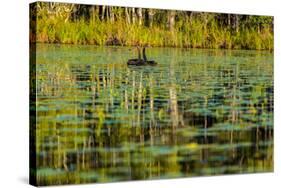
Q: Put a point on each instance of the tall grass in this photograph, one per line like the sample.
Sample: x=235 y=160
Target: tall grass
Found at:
x=192 y=34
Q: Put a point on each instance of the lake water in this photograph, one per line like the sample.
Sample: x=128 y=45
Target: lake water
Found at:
x=198 y=112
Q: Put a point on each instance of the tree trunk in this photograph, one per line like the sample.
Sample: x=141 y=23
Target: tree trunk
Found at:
x=236 y=23
x=92 y=13
x=150 y=17
x=107 y=13
x=127 y=16
x=140 y=15
x=190 y=17
x=111 y=14
x=102 y=12
x=133 y=15
x=171 y=19
x=229 y=20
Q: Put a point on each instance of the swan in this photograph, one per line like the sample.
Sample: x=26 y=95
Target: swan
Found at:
x=149 y=62
x=137 y=61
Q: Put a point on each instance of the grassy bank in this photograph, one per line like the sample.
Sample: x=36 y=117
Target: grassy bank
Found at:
x=198 y=32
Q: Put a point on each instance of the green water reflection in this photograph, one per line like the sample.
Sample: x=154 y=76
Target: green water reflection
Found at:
x=198 y=112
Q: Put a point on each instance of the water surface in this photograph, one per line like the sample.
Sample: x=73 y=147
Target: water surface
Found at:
x=197 y=113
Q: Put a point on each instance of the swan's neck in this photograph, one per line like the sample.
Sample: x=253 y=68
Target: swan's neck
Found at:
x=143 y=53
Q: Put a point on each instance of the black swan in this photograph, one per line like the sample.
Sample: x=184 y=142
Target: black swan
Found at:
x=137 y=61
x=140 y=61
x=149 y=62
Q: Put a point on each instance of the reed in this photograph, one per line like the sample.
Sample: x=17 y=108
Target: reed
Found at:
x=192 y=34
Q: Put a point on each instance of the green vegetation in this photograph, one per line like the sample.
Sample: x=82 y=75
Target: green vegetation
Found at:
x=106 y=25
x=202 y=112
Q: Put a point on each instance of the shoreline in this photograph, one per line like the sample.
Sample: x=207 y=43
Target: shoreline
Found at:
x=186 y=48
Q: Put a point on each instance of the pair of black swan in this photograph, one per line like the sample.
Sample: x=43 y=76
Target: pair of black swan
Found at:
x=139 y=60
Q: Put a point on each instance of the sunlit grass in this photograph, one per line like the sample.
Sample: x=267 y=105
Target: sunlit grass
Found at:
x=191 y=34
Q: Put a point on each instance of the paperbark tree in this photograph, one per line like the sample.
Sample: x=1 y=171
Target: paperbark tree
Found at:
x=139 y=12
x=171 y=19
x=151 y=13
